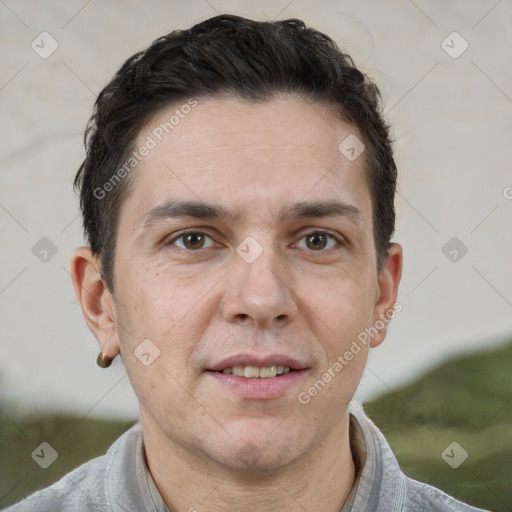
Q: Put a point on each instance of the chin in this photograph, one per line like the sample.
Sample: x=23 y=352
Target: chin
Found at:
x=250 y=461
x=260 y=446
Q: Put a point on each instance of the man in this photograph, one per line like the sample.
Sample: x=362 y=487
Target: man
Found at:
x=237 y=197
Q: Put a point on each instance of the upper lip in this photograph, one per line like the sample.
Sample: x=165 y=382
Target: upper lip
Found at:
x=260 y=361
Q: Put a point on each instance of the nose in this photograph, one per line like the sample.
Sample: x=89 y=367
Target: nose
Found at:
x=260 y=293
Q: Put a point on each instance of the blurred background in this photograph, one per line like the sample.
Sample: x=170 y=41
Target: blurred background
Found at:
x=445 y=76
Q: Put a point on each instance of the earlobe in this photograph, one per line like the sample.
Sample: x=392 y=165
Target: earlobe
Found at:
x=95 y=299
x=389 y=280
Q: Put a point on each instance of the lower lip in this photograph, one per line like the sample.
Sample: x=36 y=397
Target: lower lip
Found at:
x=259 y=389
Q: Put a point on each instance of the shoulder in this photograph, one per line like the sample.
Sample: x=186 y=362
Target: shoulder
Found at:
x=384 y=486
x=82 y=490
x=71 y=492
x=420 y=497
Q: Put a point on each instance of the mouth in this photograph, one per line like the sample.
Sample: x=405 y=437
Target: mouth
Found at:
x=260 y=378
x=256 y=372
x=258 y=367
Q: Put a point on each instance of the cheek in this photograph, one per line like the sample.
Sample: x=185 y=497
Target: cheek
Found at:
x=150 y=303
x=345 y=309
x=172 y=313
x=345 y=306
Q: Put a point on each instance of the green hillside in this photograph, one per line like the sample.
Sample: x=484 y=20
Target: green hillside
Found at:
x=467 y=401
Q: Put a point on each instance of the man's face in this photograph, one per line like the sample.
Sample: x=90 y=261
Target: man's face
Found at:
x=284 y=275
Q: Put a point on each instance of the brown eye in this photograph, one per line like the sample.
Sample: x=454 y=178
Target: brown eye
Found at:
x=192 y=241
x=319 y=241
x=316 y=241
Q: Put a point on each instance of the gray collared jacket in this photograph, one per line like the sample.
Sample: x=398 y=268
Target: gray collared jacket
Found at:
x=119 y=481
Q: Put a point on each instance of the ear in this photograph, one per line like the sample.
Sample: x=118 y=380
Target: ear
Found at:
x=95 y=299
x=387 y=291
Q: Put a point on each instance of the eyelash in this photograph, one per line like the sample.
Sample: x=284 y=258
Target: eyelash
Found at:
x=315 y=232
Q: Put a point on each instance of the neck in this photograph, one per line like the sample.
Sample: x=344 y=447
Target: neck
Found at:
x=320 y=480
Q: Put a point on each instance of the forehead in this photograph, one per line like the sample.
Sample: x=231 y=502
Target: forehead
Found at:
x=251 y=155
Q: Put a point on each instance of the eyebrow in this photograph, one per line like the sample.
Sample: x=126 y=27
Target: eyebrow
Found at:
x=207 y=211
x=331 y=208
x=179 y=209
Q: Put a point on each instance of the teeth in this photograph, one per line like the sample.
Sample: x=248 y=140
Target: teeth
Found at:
x=267 y=371
x=238 y=370
x=251 y=372
x=255 y=372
